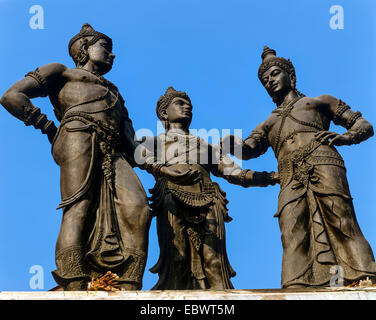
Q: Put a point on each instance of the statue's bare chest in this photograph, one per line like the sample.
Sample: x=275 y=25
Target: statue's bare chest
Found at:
x=305 y=117
x=87 y=93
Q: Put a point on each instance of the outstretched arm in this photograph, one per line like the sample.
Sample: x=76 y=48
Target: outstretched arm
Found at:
x=226 y=168
x=358 y=128
x=253 y=146
x=150 y=156
x=17 y=99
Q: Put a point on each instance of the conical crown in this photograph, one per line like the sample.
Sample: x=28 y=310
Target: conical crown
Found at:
x=166 y=99
x=88 y=31
x=270 y=59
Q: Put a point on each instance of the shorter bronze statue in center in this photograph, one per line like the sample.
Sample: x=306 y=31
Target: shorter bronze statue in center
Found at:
x=190 y=208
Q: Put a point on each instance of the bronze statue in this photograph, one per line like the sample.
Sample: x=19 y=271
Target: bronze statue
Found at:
x=190 y=208
x=315 y=210
x=106 y=216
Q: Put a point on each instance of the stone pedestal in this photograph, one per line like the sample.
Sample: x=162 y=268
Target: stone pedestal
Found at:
x=367 y=293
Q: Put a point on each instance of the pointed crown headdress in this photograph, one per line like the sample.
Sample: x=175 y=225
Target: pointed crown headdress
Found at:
x=270 y=59
x=166 y=99
x=86 y=32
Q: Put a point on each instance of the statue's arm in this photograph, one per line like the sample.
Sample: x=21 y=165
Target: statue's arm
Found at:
x=253 y=146
x=17 y=99
x=128 y=136
x=358 y=128
x=150 y=156
x=225 y=167
x=140 y=152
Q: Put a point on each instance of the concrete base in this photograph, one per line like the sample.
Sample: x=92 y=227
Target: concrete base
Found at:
x=367 y=293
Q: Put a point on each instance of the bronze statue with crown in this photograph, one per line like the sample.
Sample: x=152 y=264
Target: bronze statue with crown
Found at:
x=189 y=207
x=106 y=216
x=316 y=215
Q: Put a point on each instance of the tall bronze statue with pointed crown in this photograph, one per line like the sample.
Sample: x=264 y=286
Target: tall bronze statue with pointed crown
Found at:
x=106 y=216
x=315 y=210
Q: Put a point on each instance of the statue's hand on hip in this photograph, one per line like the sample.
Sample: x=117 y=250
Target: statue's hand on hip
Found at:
x=332 y=138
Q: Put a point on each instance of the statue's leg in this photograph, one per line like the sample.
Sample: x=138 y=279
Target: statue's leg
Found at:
x=71 y=271
x=173 y=266
x=73 y=152
x=75 y=224
x=295 y=226
x=351 y=248
x=214 y=248
x=177 y=270
x=73 y=233
x=133 y=217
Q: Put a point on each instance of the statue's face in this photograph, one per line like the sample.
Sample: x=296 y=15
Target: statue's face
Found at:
x=179 y=110
x=100 y=54
x=276 y=81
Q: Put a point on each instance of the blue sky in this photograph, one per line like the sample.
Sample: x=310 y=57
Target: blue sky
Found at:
x=210 y=49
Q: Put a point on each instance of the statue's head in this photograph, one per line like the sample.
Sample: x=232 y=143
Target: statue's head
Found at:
x=174 y=106
x=276 y=74
x=90 y=45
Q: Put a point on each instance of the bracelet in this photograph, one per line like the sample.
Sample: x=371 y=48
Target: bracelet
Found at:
x=242 y=177
x=38 y=120
x=359 y=135
x=156 y=169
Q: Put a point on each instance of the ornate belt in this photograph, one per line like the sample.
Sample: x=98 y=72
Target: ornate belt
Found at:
x=196 y=199
x=108 y=136
x=299 y=164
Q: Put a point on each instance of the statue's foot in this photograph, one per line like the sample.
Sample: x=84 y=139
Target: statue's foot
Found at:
x=77 y=285
x=129 y=286
x=296 y=286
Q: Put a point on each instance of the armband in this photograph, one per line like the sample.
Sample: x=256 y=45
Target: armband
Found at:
x=342 y=107
x=38 y=78
x=242 y=177
x=338 y=118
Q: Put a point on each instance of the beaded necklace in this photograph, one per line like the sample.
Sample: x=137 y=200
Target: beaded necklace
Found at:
x=102 y=79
